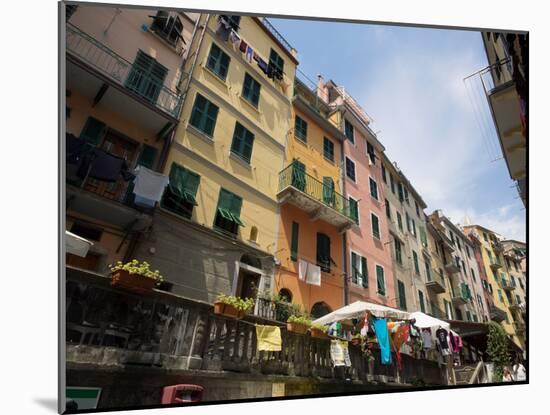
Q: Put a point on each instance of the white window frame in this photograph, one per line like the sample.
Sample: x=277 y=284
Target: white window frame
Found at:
x=359 y=256
x=384 y=275
x=372 y=227
x=354 y=169
x=377 y=188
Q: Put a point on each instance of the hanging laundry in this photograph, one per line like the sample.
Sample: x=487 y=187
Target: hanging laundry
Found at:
x=249 y=53
x=223 y=29
x=337 y=353
x=381 y=330
x=443 y=345
x=399 y=338
x=149 y=184
x=144 y=202
x=313 y=275
x=268 y=338
x=427 y=339
x=235 y=40
x=365 y=328
x=243 y=46
x=106 y=167
x=302 y=269
x=262 y=65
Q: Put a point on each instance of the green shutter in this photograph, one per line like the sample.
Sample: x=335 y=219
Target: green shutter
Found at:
x=402 y=296
x=251 y=90
x=354 y=210
x=93 y=131
x=375 y=226
x=147 y=156
x=380 y=280
x=276 y=62
x=204 y=115
x=421 y=300
x=373 y=188
x=294 y=242
x=218 y=61
x=364 y=272
x=146 y=76
x=399 y=221
x=354 y=270
x=300 y=128
x=423 y=238
x=328 y=149
x=298 y=175
x=328 y=190
x=184 y=183
x=243 y=141
x=323 y=251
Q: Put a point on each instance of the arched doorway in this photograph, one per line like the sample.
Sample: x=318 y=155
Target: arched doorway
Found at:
x=249 y=281
x=285 y=294
x=319 y=310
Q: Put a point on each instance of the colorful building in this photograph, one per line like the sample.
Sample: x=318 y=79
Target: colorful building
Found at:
x=502 y=282
x=217 y=226
x=123 y=75
x=369 y=265
x=314 y=214
x=466 y=289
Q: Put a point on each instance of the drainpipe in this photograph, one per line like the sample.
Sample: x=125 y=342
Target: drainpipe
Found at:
x=344 y=235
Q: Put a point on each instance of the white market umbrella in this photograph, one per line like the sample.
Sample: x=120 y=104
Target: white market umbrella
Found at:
x=76 y=245
x=358 y=309
x=425 y=321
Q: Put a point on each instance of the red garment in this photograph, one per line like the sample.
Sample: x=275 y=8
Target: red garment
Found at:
x=398 y=339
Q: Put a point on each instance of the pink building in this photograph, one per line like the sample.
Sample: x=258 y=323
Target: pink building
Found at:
x=367 y=251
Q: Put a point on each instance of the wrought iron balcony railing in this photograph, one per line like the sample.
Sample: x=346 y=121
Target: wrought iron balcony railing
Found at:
x=294 y=176
x=113 y=66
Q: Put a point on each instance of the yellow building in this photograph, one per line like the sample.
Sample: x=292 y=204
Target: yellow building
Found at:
x=502 y=283
x=220 y=214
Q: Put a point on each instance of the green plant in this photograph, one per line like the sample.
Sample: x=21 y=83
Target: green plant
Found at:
x=241 y=304
x=497 y=349
x=357 y=336
x=320 y=327
x=299 y=319
x=137 y=268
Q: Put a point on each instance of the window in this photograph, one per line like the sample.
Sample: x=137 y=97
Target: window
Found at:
x=388 y=208
x=93 y=131
x=416 y=208
x=448 y=309
x=300 y=129
x=399 y=221
x=392 y=184
x=233 y=21
x=204 y=115
x=400 y=192
x=87 y=232
x=354 y=209
x=323 y=252
x=458 y=243
x=421 y=301
x=423 y=237
x=370 y=153
x=468 y=252
x=416 y=266
x=243 y=140
x=384 y=177
x=473 y=274
x=286 y=295
x=146 y=77
x=413 y=223
x=500 y=297
x=228 y=213
x=350 y=169
x=406 y=194
x=147 y=156
x=401 y=294
x=485 y=237
x=348 y=131
x=515 y=266
x=463 y=267
x=468 y=316
x=218 y=61
x=398 y=251
x=294 y=242
x=408 y=219
x=491 y=288
x=251 y=90
x=373 y=188
x=428 y=270
x=328 y=149
x=359 y=271
x=375 y=226
x=180 y=195
x=168 y=26
x=276 y=62
x=380 y=281
x=521 y=284
x=518 y=299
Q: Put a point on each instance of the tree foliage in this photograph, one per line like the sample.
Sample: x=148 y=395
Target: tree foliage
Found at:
x=497 y=349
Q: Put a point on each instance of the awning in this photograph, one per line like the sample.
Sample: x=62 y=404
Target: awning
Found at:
x=76 y=245
x=425 y=321
x=358 y=309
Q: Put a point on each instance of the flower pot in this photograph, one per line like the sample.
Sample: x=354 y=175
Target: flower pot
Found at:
x=227 y=310
x=318 y=334
x=132 y=282
x=296 y=328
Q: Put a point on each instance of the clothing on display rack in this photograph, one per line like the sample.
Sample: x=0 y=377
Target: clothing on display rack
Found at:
x=268 y=338
x=381 y=330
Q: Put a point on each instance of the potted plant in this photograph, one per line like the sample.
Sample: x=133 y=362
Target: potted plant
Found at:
x=298 y=324
x=134 y=276
x=234 y=307
x=319 y=331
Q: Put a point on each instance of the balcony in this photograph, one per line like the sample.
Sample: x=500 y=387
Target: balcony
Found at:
x=498 y=248
x=314 y=197
x=459 y=299
x=100 y=74
x=109 y=329
x=436 y=285
x=460 y=295
x=506 y=285
x=452 y=268
x=497 y=314
x=495 y=265
x=514 y=306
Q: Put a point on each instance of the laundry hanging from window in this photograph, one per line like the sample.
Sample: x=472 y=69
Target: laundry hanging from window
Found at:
x=149 y=184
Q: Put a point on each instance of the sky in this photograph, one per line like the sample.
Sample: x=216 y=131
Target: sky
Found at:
x=435 y=125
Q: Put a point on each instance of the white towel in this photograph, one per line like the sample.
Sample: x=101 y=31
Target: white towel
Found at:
x=149 y=184
x=313 y=274
x=302 y=269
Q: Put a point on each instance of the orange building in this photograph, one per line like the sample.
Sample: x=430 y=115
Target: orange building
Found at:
x=313 y=213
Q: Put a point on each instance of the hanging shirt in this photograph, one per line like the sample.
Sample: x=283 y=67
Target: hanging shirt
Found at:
x=243 y=46
x=337 y=353
x=302 y=269
x=235 y=40
x=365 y=328
x=149 y=184
x=106 y=167
x=268 y=338
x=381 y=330
x=427 y=339
x=519 y=373
x=313 y=275
x=223 y=29
x=441 y=335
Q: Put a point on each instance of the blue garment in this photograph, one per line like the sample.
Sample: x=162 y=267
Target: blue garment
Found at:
x=381 y=330
x=249 y=54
